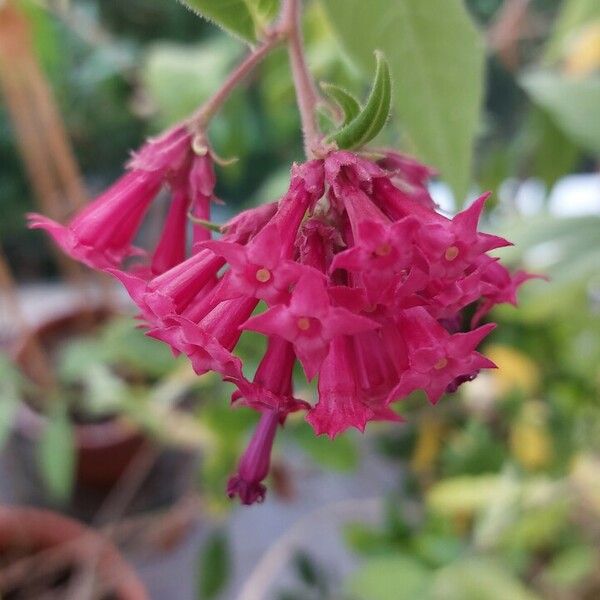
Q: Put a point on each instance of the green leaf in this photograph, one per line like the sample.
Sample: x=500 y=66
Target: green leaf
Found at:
x=9 y=403
x=77 y=358
x=372 y=117
x=478 y=579
x=572 y=103
x=105 y=392
x=570 y=566
x=234 y=16
x=56 y=453
x=553 y=154
x=125 y=345
x=180 y=77
x=215 y=566
x=263 y=11
x=10 y=381
x=436 y=59
x=348 y=104
x=573 y=15
x=395 y=577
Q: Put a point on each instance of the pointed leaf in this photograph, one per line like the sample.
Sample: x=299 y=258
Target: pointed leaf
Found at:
x=8 y=407
x=371 y=119
x=572 y=103
x=56 y=454
x=10 y=381
x=478 y=578
x=232 y=15
x=345 y=100
x=436 y=59
x=390 y=577
x=215 y=566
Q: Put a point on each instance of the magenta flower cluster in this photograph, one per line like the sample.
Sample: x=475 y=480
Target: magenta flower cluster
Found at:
x=353 y=274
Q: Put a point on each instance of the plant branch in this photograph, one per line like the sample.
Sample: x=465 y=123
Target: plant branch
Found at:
x=306 y=92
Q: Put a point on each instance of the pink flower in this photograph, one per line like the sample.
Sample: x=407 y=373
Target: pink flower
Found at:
x=254 y=464
x=260 y=268
x=310 y=322
x=451 y=246
x=171 y=292
x=272 y=387
x=366 y=285
x=501 y=288
x=164 y=154
x=409 y=176
x=102 y=234
x=248 y=223
x=381 y=254
x=342 y=403
x=170 y=250
x=317 y=243
x=208 y=343
x=201 y=183
x=435 y=357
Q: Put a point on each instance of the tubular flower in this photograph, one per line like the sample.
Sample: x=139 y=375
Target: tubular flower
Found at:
x=365 y=284
x=102 y=235
x=254 y=464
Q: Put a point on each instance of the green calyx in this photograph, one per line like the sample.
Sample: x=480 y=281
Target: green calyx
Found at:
x=362 y=124
x=346 y=102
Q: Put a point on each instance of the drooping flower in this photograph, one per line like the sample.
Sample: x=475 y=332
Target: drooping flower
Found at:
x=102 y=235
x=254 y=464
x=366 y=285
x=272 y=386
x=342 y=402
x=501 y=287
x=208 y=343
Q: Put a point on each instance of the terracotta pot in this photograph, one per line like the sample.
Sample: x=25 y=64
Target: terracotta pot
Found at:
x=28 y=531
x=104 y=449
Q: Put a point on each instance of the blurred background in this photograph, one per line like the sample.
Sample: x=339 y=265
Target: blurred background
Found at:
x=492 y=494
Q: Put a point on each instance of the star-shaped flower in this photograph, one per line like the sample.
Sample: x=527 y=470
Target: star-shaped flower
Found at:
x=259 y=269
x=310 y=321
x=437 y=358
x=451 y=246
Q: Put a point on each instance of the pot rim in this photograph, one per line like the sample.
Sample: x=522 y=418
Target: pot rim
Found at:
x=113 y=431
x=31 y=422
x=45 y=529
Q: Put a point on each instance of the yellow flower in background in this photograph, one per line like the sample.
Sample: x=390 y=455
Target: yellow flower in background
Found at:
x=516 y=371
x=582 y=55
x=530 y=441
x=429 y=443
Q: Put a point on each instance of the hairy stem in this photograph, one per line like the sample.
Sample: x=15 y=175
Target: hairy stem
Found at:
x=288 y=28
x=306 y=93
x=202 y=116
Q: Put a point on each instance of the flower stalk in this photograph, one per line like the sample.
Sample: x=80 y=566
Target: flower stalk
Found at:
x=306 y=91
